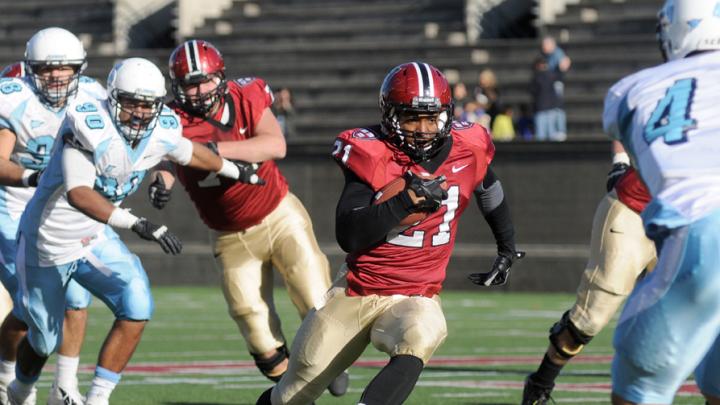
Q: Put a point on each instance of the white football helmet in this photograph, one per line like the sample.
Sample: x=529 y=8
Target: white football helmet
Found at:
x=54 y=47
x=686 y=26
x=136 y=89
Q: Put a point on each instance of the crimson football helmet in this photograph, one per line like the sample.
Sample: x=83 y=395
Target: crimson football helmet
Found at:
x=17 y=69
x=194 y=62
x=416 y=88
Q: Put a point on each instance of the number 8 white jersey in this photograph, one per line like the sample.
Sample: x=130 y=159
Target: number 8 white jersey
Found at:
x=60 y=232
x=668 y=118
x=35 y=127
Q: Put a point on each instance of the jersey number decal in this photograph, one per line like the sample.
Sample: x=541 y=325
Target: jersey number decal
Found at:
x=39 y=151
x=7 y=88
x=442 y=236
x=168 y=122
x=671 y=118
x=339 y=147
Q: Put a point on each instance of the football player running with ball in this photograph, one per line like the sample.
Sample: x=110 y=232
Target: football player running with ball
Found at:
x=107 y=145
x=393 y=274
x=34 y=97
x=255 y=226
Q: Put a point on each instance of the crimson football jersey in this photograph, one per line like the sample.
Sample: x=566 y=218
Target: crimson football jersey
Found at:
x=224 y=204
x=413 y=259
x=631 y=191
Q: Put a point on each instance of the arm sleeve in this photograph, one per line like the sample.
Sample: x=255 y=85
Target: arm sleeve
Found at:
x=359 y=223
x=78 y=168
x=183 y=153
x=491 y=201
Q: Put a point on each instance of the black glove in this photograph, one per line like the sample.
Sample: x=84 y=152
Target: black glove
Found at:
x=500 y=271
x=429 y=188
x=158 y=233
x=618 y=169
x=248 y=173
x=34 y=178
x=159 y=194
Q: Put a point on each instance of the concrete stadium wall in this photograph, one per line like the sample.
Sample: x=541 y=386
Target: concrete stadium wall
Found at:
x=552 y=188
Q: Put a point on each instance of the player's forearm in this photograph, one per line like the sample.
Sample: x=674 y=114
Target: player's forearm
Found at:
x=253 y=150
x=12 y=174
x=204 y=159
x=359 y=224
x=90 y=203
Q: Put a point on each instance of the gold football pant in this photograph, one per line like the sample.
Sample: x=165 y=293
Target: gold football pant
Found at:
x=283 y=240
x=336 y=333
x=5 y=303
x=619 y=253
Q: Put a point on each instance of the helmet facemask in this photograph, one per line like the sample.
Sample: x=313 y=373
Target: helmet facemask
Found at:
x=200 y=104
x=54 y=91
x=418 y=145
x=134 y=115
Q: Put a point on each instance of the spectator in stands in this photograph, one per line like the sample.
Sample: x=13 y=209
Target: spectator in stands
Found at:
x=284 y=112
x=549 y=115
x=556 y=58
x=487 y=94
x=460 y=97
x=524 y=123
x=474 y=112
x=503 y=129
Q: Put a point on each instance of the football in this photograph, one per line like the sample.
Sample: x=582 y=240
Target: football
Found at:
x=391 y=190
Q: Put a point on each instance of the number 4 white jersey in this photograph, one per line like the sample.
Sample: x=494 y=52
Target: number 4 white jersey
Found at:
x=35 y=127
x=60 y=232
x=668 y=118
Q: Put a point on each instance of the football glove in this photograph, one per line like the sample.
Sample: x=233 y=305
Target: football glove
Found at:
x=430 y=189
x=248 y=173
x=159 y=194
x=158 y=233
x=618 y=169
x=212 y=145
x=34 y=179
x=500 y=271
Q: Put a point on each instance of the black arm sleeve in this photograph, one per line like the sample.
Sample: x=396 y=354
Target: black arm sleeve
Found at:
x=491 y=201
x=359 y=223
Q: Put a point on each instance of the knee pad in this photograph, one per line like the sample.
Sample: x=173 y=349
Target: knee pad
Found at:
x=266 y=365
x=579 y=338
x=137 y=303
x=43 y=345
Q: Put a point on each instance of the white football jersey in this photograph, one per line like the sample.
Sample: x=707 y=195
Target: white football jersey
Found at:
x=668 y=119
x=60 y=232
x=35 y=127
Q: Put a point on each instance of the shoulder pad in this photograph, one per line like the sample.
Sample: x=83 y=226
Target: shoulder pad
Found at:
x=92 y=86
x=89 y=121
x=361 y=151
x=476 y=137
x=13 y=92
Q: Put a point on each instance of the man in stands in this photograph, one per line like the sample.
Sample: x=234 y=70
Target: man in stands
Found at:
x=107 y=147
x=34 y=96
x=620 y=254
x=255 y=226
x=388 y=295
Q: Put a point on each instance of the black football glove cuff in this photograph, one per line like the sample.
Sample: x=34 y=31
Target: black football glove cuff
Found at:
x=212 y=145
x=430 y=189
x=158 y=193
x=158 y=233
x=617 y=171
x=248 y=173
x=500 y=271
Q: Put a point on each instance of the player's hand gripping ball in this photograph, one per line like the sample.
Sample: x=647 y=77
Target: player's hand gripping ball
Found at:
x=432 y=190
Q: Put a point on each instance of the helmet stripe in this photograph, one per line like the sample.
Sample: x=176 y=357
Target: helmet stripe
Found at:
x=421 y=83
x=196 y=54
x=189 y=57
x=430 y=81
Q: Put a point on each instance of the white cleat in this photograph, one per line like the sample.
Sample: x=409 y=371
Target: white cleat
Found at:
x=3 y=392
x=65 y=396
x=15 y=398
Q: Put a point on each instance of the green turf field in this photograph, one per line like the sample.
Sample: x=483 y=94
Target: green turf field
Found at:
x=191 y=353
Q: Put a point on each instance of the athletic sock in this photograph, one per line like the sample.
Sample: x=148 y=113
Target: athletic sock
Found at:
x=394 y=382
x=546 y=373
x=103 y=383
x=7 y=372
x=66 y=373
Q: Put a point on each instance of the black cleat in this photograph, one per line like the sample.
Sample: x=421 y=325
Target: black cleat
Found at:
x=339 y=386
x=536 y=394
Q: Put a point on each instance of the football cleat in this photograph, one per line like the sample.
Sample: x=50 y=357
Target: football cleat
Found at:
x=64 y=396
x=339 y=386
x=536 y=394
x=15 y=398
